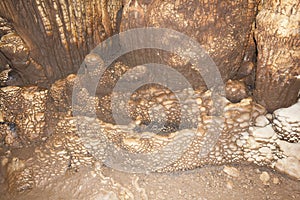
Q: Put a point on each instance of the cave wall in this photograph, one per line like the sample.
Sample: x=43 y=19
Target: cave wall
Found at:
x=58 y=34
x=53 y=37
x=278 y=62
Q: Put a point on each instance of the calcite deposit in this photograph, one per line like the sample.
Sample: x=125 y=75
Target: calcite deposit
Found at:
x=286 y=122
x=241 y=133
x=51 y=110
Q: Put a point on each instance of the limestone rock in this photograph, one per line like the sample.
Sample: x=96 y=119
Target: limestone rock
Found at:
x=236 y=90
x=277 y=37
x=290 y=149
x=229 y=185
x=276 y=180
x=290 y=114
x=290 y=166
x=263 y=132
x=261 y=121
x=231 y=171
x=287 y=123
x=265 y=150
x=265 y=177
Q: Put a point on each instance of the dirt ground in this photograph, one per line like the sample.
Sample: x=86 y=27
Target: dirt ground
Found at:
x=244 y=182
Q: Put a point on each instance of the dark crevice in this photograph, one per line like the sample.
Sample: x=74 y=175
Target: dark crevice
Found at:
x=119 y=20
x=255 y=61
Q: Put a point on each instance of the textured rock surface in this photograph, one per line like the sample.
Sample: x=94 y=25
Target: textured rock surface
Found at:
x=236 y=90
x=290 y=149
x=67 y=31
x=265 y=177
x=163 y=137
x=16 y=55
x=286 y=122
x=231 y=171
x=78 y=141
x=78 y=26
x=290 y=166
x=26 y=116
x=201 y=21
x=205 y=183
x=277 y=37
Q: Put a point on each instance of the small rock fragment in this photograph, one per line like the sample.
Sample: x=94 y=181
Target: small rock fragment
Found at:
x=229 y=185
x=236 y=90
x=269 y=116
x=265 y=177
x=265 y=150
x=276 y=180
x=261 y=121
x=231 y=171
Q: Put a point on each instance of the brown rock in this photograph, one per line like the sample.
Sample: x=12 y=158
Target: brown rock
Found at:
x=236 y=90
x=201 y=21
x=277 y=37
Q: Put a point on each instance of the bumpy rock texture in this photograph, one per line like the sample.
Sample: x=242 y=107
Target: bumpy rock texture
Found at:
x=241 y=133
x=164 y=135
x=278 y=69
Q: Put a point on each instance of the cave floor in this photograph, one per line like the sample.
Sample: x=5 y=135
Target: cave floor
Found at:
x=211 y=182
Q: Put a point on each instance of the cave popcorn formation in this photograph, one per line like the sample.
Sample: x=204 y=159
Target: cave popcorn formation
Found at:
x=249 y=134
x=259 y=123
